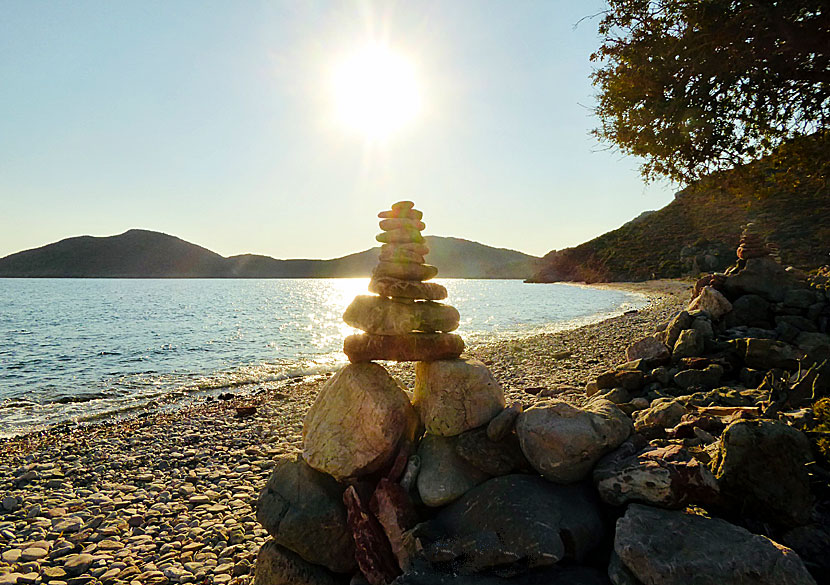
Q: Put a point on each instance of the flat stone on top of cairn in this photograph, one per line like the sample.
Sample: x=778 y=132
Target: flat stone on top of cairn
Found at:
x=402 y=323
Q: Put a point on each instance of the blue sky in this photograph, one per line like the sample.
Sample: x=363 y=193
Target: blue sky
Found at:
x=213 y=121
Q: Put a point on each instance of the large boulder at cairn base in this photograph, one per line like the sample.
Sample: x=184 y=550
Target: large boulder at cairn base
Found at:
x=303 y=510
x=410 y=347
x=359 y=419
x=670 y=547
x=563 y=442
x=453 y=396
x=667 y=477
x=761 y=468
x=383 y=316
x=517 y=521
x=444 y=476
x=276 y=565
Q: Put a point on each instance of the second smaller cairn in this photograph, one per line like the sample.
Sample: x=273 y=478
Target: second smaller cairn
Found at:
x=402 y=321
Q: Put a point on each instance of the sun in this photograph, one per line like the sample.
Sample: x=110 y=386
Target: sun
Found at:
x=375 y=92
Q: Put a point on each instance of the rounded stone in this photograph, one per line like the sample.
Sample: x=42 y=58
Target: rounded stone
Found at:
x=453 y=396
x=399 y=223
x=383 y=316
x=407 y=289
x=406 y=270
x=357 y=423
x=400 y=236
x=410 y=347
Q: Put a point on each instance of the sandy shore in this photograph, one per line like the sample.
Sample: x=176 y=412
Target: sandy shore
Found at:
x=169 y=497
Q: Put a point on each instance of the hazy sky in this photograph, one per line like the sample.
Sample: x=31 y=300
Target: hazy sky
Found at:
x=215 y=122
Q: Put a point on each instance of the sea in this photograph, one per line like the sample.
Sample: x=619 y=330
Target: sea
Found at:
x=81 y=351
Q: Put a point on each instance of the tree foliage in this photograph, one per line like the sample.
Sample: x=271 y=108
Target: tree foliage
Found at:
x=696 y=86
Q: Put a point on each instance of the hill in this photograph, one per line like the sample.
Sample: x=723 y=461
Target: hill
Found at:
x=699 y=232
x=148 y=254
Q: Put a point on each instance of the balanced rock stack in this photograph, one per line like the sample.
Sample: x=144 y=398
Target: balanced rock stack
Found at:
x=402 y=321
x=752 y=244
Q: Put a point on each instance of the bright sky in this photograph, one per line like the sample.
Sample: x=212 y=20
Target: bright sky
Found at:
x=230 y=125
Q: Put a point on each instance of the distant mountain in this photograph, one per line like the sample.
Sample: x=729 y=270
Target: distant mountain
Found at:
x=699 y=232
x=148 y=254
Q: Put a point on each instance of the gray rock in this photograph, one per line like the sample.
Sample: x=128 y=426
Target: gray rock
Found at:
x=749 y=310
x=796 y=321
x=668 y=477
x=563 y=442
x=503 y=422
x=763 y=277
x=516 y=520
x=279 y=566
x=680 y=322
x=75 y=565
x=492 y=457
x=662 y=414
x=359 y=419
x=714 y=552
x=799 y=298
x=712 y=301
x=689 y=343
x=303 y=510
x=707 y=378
x=765 y=354
x=444 y=476
x=453 y=396
x=760 y=467
x=383 y=316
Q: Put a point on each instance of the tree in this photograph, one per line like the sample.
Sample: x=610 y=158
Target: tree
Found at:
x=696 y=86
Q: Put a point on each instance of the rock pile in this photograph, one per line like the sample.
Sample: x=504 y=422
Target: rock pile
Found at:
x=689 y=463
x=752 y=245
x=402 y=321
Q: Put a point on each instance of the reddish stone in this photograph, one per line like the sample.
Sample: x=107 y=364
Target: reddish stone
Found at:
x=412 y=347
x=393 y=508
x=398 y=223
x=372 y=549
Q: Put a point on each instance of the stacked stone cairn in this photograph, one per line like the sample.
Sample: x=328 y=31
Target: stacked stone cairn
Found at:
x=689 y=463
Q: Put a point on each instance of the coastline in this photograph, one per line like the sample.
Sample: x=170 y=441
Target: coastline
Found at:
x=168 y=496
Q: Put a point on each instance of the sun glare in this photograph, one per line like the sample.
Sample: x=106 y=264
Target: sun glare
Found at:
x=375 y=92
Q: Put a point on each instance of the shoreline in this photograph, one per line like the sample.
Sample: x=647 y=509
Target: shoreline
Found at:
x=168 y=497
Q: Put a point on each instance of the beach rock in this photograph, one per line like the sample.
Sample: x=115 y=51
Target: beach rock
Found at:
x=662 y=414
x=357 y=422
x=689 y=344
x=372 y=549
x=411 y=347
x=799 y=298
x=714 y=552
x=453 y=396
x=276 y=565
x=407 y=289
x=444 y=476
x=563 y=442
x=516 y=522
x=400 y=236
x=763 y=277
x=749 y=310
x=402 y=223
x=707 y=378
x=764 y=354
x=650 y=349
x=628 y=379
x=10 y=503
x=394 y=509
x=712 y=301
x=382 y=316
x=760 y=467
x=77 y=564
x=492 y=457
x=668 y=477
x=680 y=322
x=424 y=574
x=797 y=321
x=812 y=543
x=405 y=270
x=503 y=422
x=302 y=509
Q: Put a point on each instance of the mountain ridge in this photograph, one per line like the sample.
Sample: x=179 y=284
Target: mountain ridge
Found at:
x=140 y=253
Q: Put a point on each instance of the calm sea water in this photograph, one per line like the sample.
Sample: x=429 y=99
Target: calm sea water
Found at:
x=86 y=349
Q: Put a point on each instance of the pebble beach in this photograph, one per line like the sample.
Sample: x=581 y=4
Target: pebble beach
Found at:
x=169 y=497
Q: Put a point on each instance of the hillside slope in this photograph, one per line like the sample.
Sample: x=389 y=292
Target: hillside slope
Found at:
x=699 y=232
x=148 y=254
